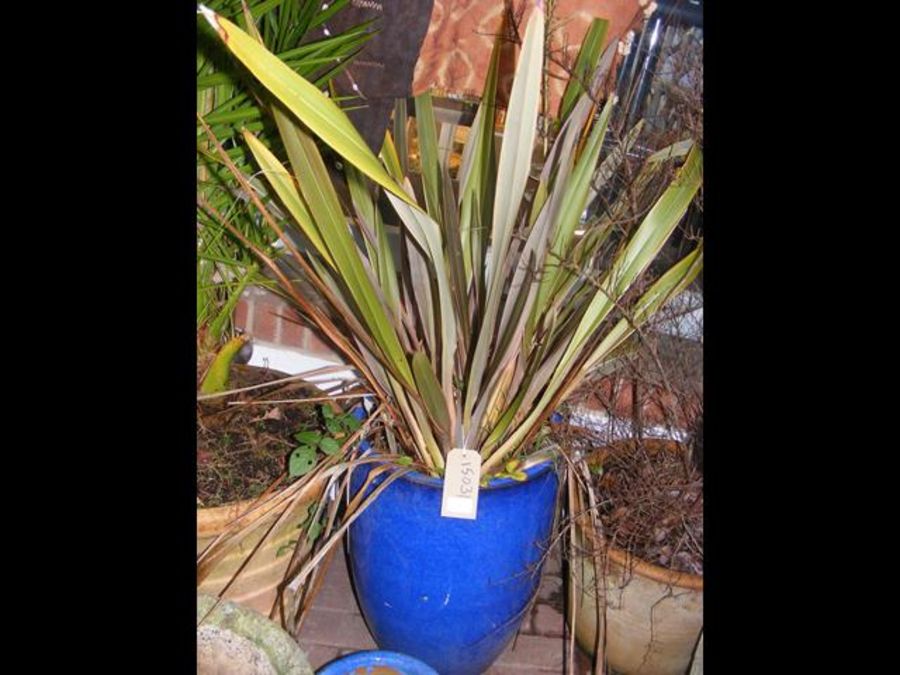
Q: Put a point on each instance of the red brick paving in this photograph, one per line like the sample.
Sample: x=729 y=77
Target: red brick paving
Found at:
x=546 y=620
x=334 y=627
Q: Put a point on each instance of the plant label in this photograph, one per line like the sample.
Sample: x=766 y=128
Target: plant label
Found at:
x=462 y=476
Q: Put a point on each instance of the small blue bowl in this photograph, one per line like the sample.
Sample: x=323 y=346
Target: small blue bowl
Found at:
x=402 y=663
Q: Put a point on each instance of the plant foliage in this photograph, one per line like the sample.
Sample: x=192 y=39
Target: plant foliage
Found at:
x=498 y=300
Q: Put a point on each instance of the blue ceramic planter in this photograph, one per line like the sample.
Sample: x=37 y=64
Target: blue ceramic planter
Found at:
x=451 y=592
x=367 y=661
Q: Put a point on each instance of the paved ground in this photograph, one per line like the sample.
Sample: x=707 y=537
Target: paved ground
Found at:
x=334 y=627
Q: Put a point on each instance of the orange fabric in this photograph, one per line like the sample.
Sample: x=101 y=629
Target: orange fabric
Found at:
x=454 y=57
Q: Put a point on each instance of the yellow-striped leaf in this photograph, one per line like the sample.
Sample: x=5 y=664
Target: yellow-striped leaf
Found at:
x=316 y=110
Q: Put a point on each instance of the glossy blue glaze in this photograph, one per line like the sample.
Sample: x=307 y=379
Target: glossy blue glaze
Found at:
x=451 y=592
x=404 y=664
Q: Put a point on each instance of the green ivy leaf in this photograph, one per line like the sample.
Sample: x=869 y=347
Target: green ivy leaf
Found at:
x=315 y=529
x=333 y=426
x=327 y=412
x=308 y=512
x=301 y=461
x=329 y=446
x=308 y=437
x=351 y=423
x=284 y=548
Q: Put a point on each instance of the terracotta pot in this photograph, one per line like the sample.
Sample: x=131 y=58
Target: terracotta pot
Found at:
x=654 y=616
x=257 y=585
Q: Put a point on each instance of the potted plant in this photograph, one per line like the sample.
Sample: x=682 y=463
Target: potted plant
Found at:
x=637 y=580
x=636 y=573
x=644 y=605
x=636 y=507
x=246 y=531
x=250 y=452
x=491 y=314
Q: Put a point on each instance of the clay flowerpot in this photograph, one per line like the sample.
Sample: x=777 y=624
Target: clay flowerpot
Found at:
x=654 y=615
x=257 y=585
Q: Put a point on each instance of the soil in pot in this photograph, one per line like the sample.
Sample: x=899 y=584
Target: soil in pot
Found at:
x=243 y=449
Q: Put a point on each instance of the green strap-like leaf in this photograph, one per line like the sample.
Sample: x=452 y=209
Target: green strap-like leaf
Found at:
x=400 y=120
x=391 y=159
x=573 y=202
x=670 y=284
x=428 y=155
x=430 y=389
x=512 y=174
x=640 y=251
x=642 y=248
x=216 y=379
x=283 y=184
x=324 y=206
x=519 y=132
x=310 y=105
x=428 y=236
x=585 y=63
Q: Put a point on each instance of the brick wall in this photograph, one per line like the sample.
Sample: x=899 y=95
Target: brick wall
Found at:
x=614 y=395
x=268 y=319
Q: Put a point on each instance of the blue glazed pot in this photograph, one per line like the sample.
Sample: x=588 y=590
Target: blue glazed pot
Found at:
x=347 y=665
x=451 y=592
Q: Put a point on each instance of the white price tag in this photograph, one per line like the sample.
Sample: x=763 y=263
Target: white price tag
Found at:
x=462 y=476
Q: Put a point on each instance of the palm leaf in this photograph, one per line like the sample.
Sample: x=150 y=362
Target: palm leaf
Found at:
x=310 y=105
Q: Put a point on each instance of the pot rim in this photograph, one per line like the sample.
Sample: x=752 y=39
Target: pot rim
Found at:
x=211 y=520
x=643 y=568
x=628 y=560
x=531 y=472
x=376 y=657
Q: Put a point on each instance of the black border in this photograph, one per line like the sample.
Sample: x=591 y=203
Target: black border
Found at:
x=101 y=151
x=101 y=148
x=777 y=591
